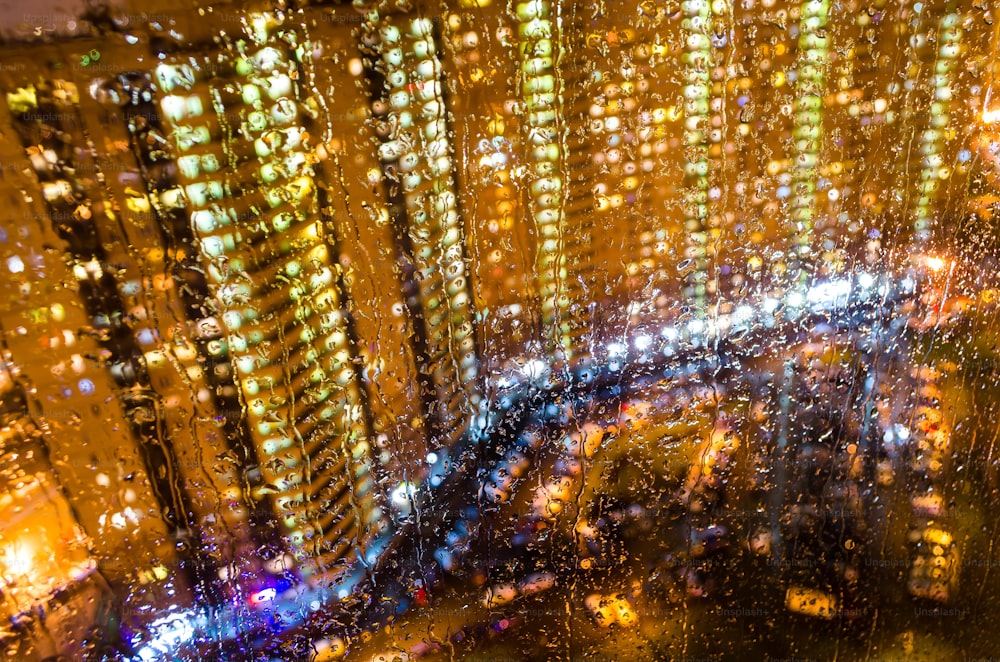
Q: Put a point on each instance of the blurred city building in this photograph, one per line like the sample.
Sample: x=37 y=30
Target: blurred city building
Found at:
x=265 y=263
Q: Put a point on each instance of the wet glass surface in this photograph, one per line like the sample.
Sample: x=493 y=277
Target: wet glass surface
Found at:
x=500 y=331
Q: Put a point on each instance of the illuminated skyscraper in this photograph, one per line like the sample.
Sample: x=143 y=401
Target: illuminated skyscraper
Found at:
x=420 y=165
x=540 y=45
x=87 y=324
x=699 y=61
x=244 y=158
x=810 y=86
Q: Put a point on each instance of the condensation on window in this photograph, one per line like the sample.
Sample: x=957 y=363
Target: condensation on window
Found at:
x=479 y=330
